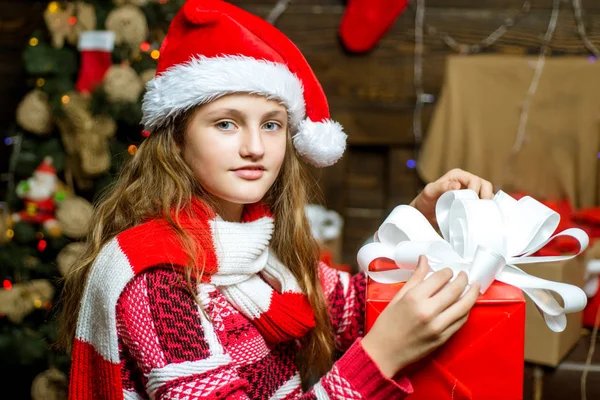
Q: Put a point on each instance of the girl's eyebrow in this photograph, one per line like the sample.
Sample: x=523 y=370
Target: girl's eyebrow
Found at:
x=232 y=112
x=235 y=113
x=274 y=114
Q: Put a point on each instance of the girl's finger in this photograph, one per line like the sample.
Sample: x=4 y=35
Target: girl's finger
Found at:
x=417 y=277
x=435 y=189
x=449 y=294
x=487 y=190
x=454 y=185
x=461 y=307
x=475 y=185
x=433 y=284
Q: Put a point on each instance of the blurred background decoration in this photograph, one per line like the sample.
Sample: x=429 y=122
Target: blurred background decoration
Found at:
x=507 y=89
x=78 y=74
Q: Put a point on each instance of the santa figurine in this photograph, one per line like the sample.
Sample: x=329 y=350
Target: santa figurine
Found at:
x=38 y=193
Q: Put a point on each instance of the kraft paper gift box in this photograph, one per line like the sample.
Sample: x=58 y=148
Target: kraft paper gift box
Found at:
x=483 y=360
x=543 y=346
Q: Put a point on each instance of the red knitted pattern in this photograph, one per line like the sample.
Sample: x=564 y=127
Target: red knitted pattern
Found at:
x=280 y=364
x=175 y=316
x=132 y=377
x=288 y=317
x=217 y=384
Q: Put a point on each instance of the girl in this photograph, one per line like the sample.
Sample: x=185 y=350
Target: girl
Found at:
x=202 y=279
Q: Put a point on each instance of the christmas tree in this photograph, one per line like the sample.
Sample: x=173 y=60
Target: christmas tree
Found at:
x=72 y=132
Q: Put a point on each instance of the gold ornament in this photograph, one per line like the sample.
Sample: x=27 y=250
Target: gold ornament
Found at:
x=85 y=137
x=68 y=255
x=147 y=75
x=129 y=24
x=122 y=83
x=67 y=23
x=19 y=301
x=51 y=384
x=74 y=215
x=34 y=114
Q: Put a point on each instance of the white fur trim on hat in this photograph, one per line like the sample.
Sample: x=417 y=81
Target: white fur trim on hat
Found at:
x=202 y=80
x=320 y=143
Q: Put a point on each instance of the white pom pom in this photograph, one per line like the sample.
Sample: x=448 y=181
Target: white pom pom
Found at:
x=320 y=143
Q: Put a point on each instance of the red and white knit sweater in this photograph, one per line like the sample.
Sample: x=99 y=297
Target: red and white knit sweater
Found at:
x=142 y=335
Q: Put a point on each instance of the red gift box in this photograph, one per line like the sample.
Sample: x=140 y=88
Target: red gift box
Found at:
x=483 y=360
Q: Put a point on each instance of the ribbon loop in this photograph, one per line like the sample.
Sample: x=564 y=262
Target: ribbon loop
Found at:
x=485 y=238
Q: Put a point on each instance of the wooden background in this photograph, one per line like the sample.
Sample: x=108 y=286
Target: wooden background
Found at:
x=371 y=95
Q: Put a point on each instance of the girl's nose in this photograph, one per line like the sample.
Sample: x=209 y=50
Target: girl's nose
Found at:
x=252 y=144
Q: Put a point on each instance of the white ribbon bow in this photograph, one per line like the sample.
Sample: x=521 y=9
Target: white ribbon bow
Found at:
x=484 y=238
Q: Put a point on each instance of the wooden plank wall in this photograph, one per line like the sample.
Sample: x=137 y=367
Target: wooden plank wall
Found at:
x=372 y=95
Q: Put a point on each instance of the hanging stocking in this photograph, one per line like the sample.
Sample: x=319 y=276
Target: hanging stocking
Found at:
x=95 y=48
x=366 y=21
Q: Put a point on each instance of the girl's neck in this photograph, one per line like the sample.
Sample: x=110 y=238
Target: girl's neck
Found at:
x=230 y=212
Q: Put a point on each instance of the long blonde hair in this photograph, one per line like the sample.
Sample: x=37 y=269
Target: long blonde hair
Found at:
x=155 y=182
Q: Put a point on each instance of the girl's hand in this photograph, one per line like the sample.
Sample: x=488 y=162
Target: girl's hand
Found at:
x=453 y=180
x=420 y=318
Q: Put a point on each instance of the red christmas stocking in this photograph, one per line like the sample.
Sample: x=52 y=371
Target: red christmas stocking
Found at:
x=366 y=21
x=95 y=48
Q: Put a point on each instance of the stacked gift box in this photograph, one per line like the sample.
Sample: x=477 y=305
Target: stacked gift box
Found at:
x=583 y=271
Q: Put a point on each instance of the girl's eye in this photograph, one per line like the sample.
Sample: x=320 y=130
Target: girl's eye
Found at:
x=225 y=125
x=271 y=126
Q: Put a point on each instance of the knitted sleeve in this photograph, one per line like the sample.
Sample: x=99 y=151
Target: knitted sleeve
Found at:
x=345 y=296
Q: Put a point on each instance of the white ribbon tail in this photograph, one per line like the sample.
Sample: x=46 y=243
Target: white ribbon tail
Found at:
x=573 y=297
x=575 y=233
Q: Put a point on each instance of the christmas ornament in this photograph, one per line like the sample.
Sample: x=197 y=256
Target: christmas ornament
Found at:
x=129 y=24
x=95 y=48
x=38 y=194
x=22 y=298
x=366 y=21
x=122 y=83
x=67 y=23
x=51 y=384
x=68 y=255
x=85 y=137
x=147 y=75
x=75 y=215
x=34 y=114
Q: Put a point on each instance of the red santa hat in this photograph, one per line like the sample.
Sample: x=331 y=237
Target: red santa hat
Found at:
x=214 y=48
x=46 y=167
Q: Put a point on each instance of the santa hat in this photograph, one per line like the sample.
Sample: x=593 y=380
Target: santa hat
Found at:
x=46 y=167
x=213 y=49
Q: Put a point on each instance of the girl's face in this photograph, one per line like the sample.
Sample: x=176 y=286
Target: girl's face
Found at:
x=235 y=146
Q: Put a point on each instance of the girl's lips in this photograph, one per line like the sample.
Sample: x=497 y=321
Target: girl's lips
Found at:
x=249 y=174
